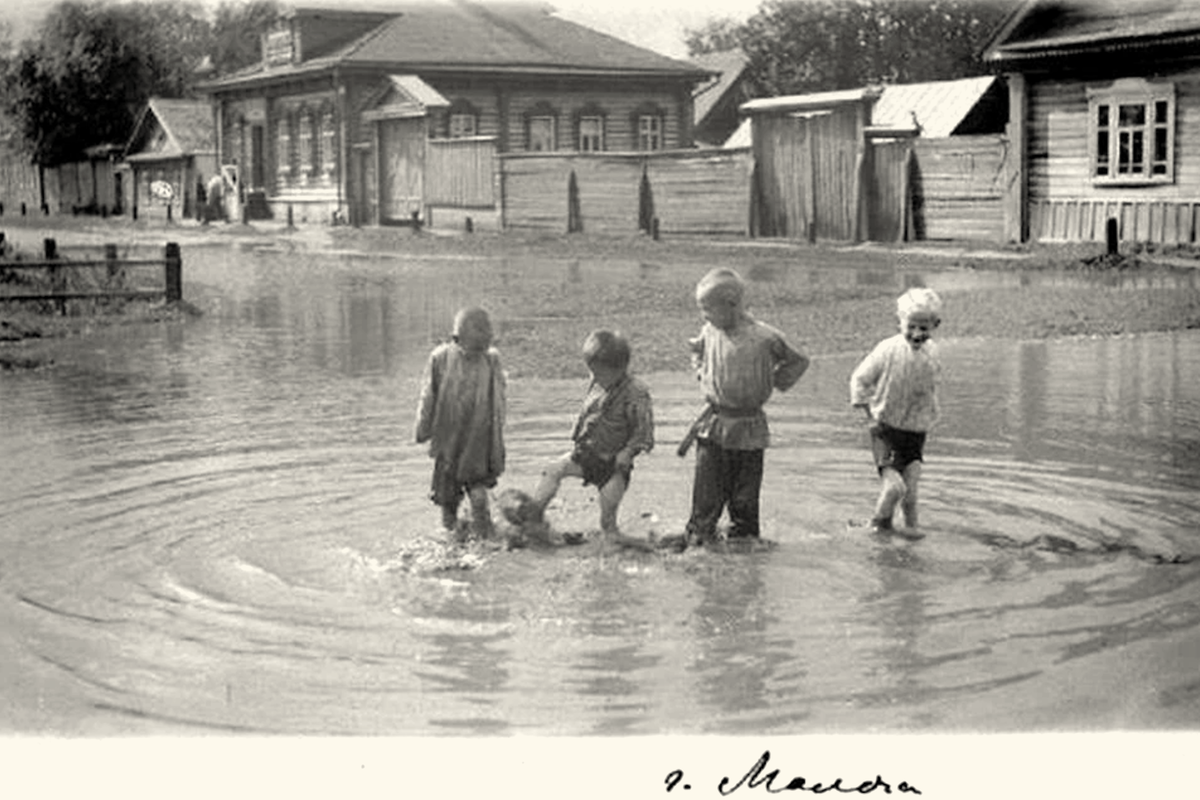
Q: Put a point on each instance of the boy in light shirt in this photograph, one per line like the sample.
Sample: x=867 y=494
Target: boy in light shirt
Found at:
x=896 y=385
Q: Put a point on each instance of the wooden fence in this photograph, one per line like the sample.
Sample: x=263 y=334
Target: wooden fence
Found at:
x=108 y=278
x=460 y=172
x=673 y=192
x=958 y=187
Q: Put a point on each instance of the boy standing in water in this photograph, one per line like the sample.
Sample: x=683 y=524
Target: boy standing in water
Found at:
x=739 y=362
x=896 y=385
x=461 y=415
x=615 y=425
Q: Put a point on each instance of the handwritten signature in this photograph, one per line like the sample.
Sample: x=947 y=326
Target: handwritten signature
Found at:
x=758 y=776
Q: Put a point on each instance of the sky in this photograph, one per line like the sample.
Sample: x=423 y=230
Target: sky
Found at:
x=657 y=25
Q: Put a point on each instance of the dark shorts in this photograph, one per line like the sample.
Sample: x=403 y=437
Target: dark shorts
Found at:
x=597 y=469
x=896 y=448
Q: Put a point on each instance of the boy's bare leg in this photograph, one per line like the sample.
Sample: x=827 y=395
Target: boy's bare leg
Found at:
x=450 y=516
x=611 y=495
x=481 y=512
x=912 y=476
x=552 y=477
x=891 y=492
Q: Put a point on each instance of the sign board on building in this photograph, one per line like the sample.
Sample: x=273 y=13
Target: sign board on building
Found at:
x=277 y=47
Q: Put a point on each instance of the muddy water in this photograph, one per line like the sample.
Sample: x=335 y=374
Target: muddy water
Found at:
x=200 y=527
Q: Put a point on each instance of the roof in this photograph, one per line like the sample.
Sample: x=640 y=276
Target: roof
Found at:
x=937 y=108
x=728 y=67
x=1057 y=28
x=464 y=36
x=186 y=124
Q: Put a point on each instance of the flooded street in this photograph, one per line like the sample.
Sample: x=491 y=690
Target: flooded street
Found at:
x=201 y=520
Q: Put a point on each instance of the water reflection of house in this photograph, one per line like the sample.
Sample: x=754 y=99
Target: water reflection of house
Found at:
x=380 y=116
x=891 y=163
x=1101 y=98
x=172 y=142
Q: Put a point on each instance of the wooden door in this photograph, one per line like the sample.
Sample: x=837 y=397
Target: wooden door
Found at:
x=401 y=168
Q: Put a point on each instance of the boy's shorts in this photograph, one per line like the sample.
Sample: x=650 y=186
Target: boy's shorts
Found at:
x=896 y=448
x=597 y=469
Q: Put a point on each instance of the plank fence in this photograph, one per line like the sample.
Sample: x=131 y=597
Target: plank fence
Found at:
x=107 y=278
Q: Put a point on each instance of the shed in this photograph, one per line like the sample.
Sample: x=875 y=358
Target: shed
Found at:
x=173 y=142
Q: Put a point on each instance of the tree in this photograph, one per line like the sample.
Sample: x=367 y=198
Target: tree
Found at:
x=236 y=30
x=91 y=68
x=800 y=46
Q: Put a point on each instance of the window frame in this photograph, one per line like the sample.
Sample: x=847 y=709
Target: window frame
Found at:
x=642 y=114
x=283 y=149
x=591 y=112
x=327 y=135
x=1124 y=151
x=305 y=141
x=541 y=111
x=460 y=110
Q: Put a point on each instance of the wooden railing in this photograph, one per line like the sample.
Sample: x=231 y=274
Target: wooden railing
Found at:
x=115 y=281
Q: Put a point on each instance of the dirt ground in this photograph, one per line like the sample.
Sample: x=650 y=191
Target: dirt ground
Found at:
x=659 y=315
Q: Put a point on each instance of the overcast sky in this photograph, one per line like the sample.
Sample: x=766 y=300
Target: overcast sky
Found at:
x=655 y=24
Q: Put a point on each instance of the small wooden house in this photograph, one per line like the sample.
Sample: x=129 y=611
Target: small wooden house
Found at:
x=382 y=116
x=172 y=144
x=1105 y=118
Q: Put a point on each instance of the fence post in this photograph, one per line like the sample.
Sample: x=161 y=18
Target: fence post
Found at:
x=174 y=273
x=50 y=252
x=112 y=268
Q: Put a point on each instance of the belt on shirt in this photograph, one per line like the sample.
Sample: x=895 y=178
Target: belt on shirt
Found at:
x=726 y=411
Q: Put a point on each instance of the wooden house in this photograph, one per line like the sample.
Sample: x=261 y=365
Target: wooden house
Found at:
x=888 y=163
x=172 y=143
x=1105 y=118
x=386 y=116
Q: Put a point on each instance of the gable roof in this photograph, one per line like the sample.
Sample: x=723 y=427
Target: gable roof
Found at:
x=187 y=127
x=1052 y=29
x=463 y=36
x=936 y=108
x=728 y=67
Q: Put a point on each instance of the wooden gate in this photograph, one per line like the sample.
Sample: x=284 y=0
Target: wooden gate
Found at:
x=401 y=168
x=887 y=190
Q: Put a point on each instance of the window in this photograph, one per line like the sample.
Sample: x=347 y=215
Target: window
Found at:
x=305 y=145
x=1131 y=129
x=649 y=132
x=541 y=128
x=541 y=134
x=462 y=125
x=591 y=134
x=283 y=148
x=328 y=150
x=589 y=129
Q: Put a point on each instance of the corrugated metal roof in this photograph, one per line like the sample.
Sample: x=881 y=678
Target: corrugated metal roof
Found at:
x=937 y=107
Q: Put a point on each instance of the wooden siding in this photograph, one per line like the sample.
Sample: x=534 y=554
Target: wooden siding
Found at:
x=888 y=190
x=19 y=184
x=702 y=192
x=619 y=105
x=958 y=187
x=809 y=172
x=460 y=172
x=1065 y=205
x=694 y=192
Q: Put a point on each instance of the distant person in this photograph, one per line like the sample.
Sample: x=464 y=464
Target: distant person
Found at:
x=215 y=207
x=461 y=414
x=896 y=385
x=614 y=426
x=739 y=362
